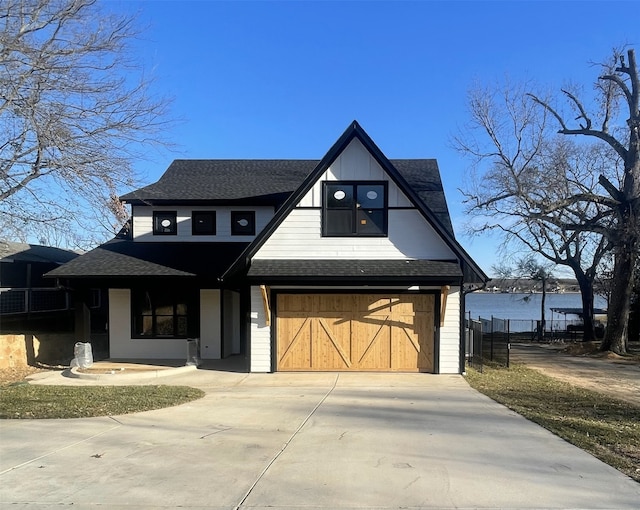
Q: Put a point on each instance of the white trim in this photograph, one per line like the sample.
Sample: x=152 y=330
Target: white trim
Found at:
x=449 y=352
x=210 y=324
x=259 y=334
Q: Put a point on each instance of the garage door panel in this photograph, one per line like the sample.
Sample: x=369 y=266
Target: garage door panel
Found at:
x=355 y=332
x=331 y=347
x=332 y=304
x=294 y=349
x=372 y=342
x=425 y=331
x=372 y=305
x=295 y=303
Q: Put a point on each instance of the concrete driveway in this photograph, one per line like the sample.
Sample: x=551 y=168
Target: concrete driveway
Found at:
x=306 y=441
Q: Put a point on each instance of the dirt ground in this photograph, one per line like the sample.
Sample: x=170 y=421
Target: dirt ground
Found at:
x=582 y=365
x=17 y=374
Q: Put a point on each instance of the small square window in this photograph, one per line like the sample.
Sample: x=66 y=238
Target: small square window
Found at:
x=371 y=222
x=243 y=223
x=165 y=223
x=203 y=223
x=371 y=196
x=339 y=196
x=339 y=222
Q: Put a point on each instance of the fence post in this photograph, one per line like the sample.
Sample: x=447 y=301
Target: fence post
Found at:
x=492 y=328
x=508 y=341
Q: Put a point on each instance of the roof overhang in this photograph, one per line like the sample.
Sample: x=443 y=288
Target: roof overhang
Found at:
x=128 y=259
x=325 y=272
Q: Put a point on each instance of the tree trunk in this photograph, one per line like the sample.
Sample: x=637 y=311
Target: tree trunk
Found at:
x=586 y=292
x=616 y=336
x=542 y=307
x=626 y=249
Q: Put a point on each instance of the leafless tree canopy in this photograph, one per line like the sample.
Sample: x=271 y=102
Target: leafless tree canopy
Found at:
x=529 y=183
x=75 y=110
x=614 y=120
x=571 y=200
x=525 y=186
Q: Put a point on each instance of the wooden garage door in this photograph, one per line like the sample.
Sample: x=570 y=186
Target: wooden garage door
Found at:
x=355 y=332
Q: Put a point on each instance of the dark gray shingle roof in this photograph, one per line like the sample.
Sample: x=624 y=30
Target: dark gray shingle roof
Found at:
x=272 y=181
x=224 y=179
x=369 y=271
x=125 y=258
x=10 y=251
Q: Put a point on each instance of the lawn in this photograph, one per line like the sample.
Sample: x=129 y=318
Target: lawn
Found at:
x=609 y=429
x=28 y=401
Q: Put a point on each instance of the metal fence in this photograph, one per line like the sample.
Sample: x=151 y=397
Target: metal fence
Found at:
x=488 y=340
x=473 y=341
x=554 y=330
x=16 y=301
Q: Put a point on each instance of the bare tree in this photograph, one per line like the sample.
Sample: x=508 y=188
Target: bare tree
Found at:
x=526 y=193
x=539 y=272
x=616 y=122
x=75 y=111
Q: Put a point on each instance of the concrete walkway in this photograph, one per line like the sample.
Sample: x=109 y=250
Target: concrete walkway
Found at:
x=305 y=441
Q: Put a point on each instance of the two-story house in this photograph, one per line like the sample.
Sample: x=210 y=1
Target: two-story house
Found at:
x=346 y=263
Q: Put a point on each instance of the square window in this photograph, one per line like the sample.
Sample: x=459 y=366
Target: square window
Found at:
x=161 y=313
x=243 y=223
x=203 y=223
x=165 y=223
x=339 y=222
x=371 y=197
x=339 y=196
x=354 y=209
x=371 y=222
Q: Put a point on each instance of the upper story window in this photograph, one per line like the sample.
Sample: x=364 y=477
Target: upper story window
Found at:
x=243 y=223
x=165 y=223
x=203 y=223
x=354 y=209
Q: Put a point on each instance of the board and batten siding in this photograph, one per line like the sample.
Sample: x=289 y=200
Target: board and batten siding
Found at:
x=143 y=224
x=355 y=163
x=410 y=236
x=449 y=352
x=260 y=334
x=122 y=346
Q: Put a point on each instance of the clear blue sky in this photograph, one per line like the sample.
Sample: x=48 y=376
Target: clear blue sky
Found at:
x=271 y=79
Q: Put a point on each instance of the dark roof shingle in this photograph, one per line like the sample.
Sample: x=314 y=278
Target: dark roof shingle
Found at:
x=10 y=251
x=224 y=179
x=124 y=258
x=368 y=271
x=271 y=181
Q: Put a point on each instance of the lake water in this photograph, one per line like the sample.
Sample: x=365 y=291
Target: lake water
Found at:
x=522 y=306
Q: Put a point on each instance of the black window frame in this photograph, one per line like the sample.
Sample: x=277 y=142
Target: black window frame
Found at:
x=194 y=223
x=237 y=230
x=331 y=209
x=158 y=298
x=158 y=217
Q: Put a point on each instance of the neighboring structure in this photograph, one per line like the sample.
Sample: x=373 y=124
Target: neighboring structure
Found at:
x=24 y=293
x=348 y=263
x=36 y=317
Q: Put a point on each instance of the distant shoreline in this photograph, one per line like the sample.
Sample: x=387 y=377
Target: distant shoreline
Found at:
x=525 y=286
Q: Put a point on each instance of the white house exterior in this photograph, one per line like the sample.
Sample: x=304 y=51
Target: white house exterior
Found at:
x=344 y=264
